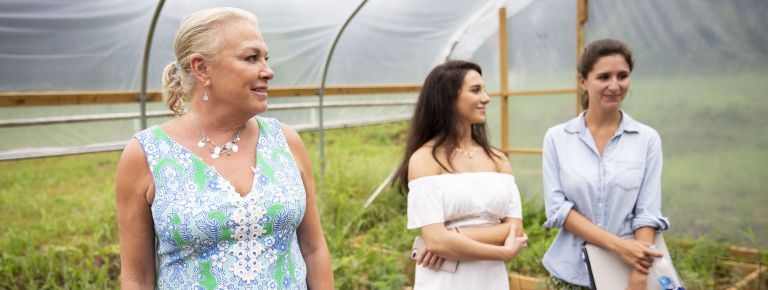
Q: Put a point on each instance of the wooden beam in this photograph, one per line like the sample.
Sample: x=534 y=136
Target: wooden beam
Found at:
x=504 y=70
x=582 y=14
x=534 y=93
x=168 y=113
x=344 y=90
x=745 y=253
x=389 y=89
x=735 y=252
x=119 y=145
x=509 y=150
x=13 y=99
x=749 y=278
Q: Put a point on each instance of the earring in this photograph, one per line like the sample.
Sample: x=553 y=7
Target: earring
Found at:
x=205 y=96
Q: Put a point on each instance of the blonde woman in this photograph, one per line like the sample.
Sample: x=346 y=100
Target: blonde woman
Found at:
x=219 y=198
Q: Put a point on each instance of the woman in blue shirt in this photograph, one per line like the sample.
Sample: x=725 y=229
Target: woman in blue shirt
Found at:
x=602 y=175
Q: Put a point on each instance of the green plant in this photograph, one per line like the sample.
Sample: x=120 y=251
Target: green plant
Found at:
x=528 y=262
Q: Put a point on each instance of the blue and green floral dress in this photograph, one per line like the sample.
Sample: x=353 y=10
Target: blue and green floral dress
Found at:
x=207 y=235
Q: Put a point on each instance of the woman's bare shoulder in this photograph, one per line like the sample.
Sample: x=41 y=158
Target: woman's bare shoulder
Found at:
x=133 y=156
x=422 y=163
x=502 y=162
x=133 y=176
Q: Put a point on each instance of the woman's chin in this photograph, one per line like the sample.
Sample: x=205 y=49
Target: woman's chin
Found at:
x=256 y=109
x=610 y=106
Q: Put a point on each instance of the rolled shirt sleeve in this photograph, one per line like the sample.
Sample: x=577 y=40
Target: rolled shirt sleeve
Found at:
x=647 y=211
x=555 y=202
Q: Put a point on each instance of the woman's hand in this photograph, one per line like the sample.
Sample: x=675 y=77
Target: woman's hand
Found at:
x=429 y=260
x=514 y=244
x=637 y=254
x=637 y=281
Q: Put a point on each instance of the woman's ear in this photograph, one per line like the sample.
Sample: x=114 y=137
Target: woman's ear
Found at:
x=199 y=68
x=583 y=83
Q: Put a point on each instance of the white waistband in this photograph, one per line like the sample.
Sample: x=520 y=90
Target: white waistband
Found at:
x=482 y=218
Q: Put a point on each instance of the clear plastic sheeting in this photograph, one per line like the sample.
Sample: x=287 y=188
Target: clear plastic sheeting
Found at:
x=86 y=46
x=72 y=45
x=298 y=35
x=398 y=41
x=686 y=37
x=541 y=47
x=388 y=42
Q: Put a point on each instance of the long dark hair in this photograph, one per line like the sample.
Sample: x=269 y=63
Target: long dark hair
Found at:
x=435 y=118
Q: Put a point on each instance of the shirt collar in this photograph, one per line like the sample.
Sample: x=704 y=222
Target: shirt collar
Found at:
x=577 y=125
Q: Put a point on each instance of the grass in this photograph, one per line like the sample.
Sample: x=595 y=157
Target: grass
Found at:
x=59 y=229
x=58 y=220
x=358 y=160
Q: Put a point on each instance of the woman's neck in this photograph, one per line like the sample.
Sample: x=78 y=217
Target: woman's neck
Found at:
x=464 y=140
x=215 y=123
x=597 y=120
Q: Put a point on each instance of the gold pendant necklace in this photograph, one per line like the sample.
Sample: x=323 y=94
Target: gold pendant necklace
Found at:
x=470 y=154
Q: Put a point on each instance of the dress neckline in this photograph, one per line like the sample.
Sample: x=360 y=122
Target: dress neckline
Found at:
x=218 y=175
x=459 y=174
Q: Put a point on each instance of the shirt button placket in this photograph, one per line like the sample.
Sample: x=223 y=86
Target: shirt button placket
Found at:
x=600 y=213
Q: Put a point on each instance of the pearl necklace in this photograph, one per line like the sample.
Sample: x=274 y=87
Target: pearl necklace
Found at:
x=216 y=150
x=470 y=154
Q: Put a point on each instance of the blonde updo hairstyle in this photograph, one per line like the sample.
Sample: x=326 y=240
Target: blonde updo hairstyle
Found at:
x=198 y=34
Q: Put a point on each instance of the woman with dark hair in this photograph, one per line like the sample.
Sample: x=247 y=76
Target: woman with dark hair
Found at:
x=602 y=175
x=461 y=193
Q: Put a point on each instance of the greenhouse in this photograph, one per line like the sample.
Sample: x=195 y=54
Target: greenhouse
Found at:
x=80 y=78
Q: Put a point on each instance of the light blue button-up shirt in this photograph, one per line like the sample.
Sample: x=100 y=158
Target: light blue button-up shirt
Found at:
x=619 y=192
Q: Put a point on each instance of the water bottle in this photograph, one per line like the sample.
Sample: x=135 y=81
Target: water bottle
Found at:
x=663 y=275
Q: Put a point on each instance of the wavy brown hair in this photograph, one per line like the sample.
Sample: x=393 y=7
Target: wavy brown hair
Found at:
x=435 y=118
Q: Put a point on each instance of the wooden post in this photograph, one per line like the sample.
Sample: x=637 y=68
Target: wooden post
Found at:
x=582 y=14
x=503 y=77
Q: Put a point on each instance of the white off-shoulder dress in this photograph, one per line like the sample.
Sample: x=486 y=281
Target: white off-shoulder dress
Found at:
x=457 y=200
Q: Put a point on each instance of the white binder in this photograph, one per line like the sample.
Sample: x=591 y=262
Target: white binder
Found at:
x=608 y=272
